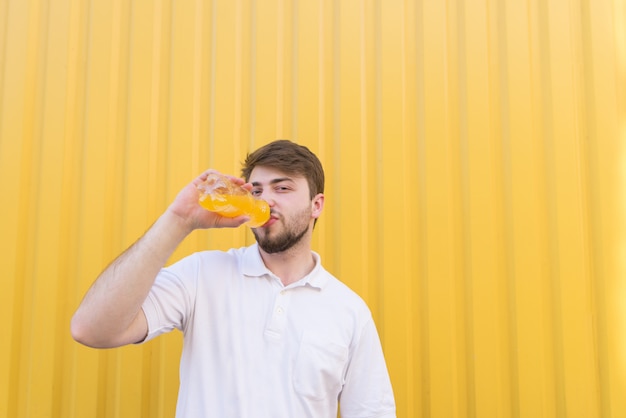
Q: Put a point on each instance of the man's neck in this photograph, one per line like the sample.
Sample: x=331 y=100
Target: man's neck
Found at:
x=291 y=265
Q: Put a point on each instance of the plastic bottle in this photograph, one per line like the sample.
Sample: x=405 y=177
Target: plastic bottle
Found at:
x=219 y=194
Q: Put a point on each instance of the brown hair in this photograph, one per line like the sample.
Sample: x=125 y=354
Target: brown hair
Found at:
x=290 y=158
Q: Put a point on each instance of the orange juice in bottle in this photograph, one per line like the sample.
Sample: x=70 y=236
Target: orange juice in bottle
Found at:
x=218 y=194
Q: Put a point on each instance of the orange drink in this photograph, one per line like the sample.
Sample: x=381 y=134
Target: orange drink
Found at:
x=218 y=194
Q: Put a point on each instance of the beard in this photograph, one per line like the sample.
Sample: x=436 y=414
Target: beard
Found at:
x=293 y=234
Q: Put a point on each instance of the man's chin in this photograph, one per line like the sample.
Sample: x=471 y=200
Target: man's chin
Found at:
x=278 y=244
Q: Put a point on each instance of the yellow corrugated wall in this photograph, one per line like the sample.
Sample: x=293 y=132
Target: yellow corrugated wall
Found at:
x=476 y=161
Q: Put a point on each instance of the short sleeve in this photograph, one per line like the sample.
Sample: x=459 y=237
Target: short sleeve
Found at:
x=170 y=301
x=367 y=391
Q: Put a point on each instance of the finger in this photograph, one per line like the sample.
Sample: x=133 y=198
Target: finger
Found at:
x=226 y=222
x=206 y=173
x=238 y=181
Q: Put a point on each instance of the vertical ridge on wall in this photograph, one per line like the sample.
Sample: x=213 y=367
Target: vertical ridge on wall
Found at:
x=508 y=377
x=421 y=406
x=412 y=241
x=4 y=30
x=600 y=27
x=50 y=298
x=198 y=83
x=596 y=247
x=543 y=106
x=28 y=221
x=73 y=161
x=238 y=92
x=455 y=90
x=294 y=18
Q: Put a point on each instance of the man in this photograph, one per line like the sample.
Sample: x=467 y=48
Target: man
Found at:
x=267 y=331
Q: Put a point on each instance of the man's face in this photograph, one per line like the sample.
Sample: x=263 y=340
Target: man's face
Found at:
x=292 y=210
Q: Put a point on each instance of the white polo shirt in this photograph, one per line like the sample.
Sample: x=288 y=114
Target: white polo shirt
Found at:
x=254 y=348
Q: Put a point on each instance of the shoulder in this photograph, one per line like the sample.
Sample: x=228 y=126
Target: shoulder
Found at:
x=342 y=295
x=210 y=256
x=206 y=264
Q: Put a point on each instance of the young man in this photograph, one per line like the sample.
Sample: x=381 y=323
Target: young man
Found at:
x=268 y=332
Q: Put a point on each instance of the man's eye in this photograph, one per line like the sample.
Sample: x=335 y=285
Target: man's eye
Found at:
x=256 y=192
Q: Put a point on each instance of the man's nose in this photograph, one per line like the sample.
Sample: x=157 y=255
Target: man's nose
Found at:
x=267 y=196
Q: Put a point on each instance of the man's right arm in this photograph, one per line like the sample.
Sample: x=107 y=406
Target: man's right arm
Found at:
x=110 y=314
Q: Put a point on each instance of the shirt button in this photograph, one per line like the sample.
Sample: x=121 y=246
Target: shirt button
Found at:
x=279 y=310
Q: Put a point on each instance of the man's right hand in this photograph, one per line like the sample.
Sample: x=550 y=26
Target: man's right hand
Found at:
x=186 y=207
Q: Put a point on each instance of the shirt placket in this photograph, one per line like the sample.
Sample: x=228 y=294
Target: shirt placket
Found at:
x=278 y=318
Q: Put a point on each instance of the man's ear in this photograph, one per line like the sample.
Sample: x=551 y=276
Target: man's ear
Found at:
x=317 y=205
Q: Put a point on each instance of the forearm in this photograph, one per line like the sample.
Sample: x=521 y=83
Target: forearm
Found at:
x=109 y=310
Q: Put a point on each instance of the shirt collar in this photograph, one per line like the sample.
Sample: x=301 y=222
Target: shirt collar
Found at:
x=254 y=266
